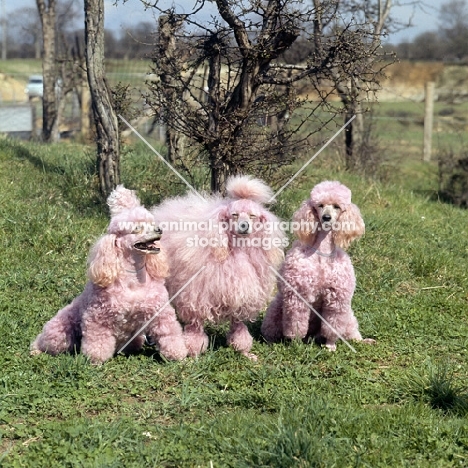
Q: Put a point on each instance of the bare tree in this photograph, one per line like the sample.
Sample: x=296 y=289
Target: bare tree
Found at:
x=105 y=119
x=353 y=89
x=25 y=28
x=229 y=84
x=47 y=13
x=25 y=25
x=169 y=74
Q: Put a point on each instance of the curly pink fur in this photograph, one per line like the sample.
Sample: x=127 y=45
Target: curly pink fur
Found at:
x=122 y=199
x=326 y=282
x=246 y=187
x=126 y=292
x=236 y=281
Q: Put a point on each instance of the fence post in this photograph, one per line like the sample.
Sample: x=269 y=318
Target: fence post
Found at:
x=428 y=119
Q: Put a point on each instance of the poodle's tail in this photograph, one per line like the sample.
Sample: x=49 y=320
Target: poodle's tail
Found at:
x=245 y=187
x=122 y=199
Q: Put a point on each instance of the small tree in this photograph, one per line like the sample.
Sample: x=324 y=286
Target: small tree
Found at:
x=47 y=13
x=453 y=177
x=53 y=21
x=359 y=59
x=235 y=99
x=26 y=24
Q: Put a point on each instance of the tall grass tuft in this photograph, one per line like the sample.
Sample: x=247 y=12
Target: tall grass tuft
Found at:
x=439 y=387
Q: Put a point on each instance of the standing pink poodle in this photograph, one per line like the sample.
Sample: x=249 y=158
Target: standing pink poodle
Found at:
x=317 y=273
x=126 y=293
x=220 y=252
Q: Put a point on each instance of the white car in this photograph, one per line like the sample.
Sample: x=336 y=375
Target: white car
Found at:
x=35 y=86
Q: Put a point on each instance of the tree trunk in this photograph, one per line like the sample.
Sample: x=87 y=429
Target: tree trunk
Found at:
x=168 y=25
x=175 y=144
x=219 y=175
x=105 y=119
x=218 y=168
x=50 y=131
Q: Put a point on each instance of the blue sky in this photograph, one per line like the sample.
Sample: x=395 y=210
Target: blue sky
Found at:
x=423 y=14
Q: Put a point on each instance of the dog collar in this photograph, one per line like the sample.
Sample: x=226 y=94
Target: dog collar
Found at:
x=136 y=271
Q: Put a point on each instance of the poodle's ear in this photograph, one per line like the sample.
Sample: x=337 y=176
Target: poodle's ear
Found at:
x=223 y=214
x=351 y=226
x=157 y=265
x=305 y=222
x=219 y=240
x=275 y=256
x=104 y=262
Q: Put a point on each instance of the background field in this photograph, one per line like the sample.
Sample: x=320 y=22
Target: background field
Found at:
x=402 y=402
x=398 y=115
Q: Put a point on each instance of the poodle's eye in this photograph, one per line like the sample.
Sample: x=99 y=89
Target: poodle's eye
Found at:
x=321 y=205
x=137 y=230
x=235 y=215
x=336 y=207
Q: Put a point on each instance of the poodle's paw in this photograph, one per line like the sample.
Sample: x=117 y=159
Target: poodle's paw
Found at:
x=97 y=357
x=172 y=348
x=194 y=352
x=239 y=338
x=196 y=344
x=251 y=356
x=196 y=340
x=35 y=352
x=370 y=341
x=331 y=347
x=272 y=333
x=270 y=339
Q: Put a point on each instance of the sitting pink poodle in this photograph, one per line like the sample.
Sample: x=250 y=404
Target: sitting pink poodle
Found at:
x=220 y=252
x=317 y=275
x=126 y=293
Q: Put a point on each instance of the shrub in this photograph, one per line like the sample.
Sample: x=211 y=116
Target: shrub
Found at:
x=453 y=177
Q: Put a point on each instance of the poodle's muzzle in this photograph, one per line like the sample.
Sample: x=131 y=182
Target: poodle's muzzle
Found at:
x=328 y=214
x=244 y=227
x=149 y=244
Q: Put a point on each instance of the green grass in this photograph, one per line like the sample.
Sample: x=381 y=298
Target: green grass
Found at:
x=21 y=67
x=399 y=403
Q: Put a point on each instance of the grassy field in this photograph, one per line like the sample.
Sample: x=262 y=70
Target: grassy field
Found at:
x=402 y=402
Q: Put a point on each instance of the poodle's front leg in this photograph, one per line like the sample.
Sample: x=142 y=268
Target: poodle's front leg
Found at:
x=339 y=322
x=296 y=314
x=196 y=339
x=98 y=342
x=240 y=339
x=167 y=332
